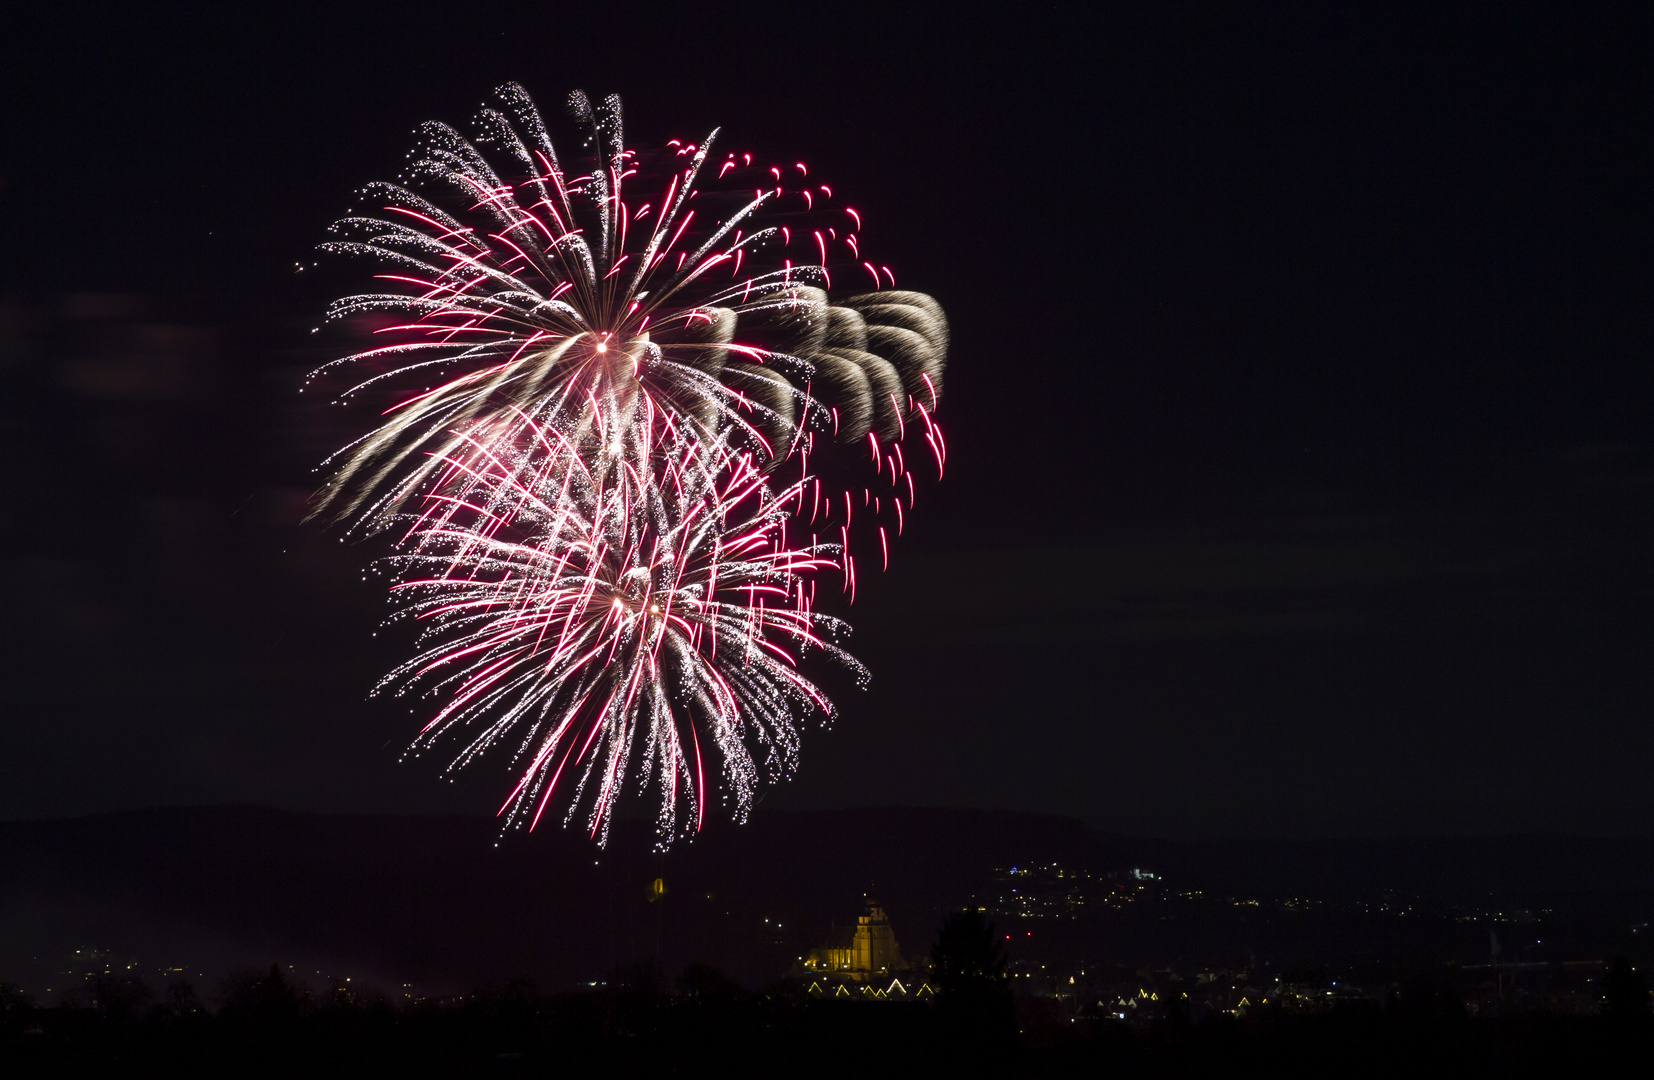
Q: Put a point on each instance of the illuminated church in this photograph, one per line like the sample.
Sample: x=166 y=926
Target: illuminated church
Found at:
x=863 y=953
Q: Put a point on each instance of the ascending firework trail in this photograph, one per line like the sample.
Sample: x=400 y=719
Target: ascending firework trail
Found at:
x=602 y=384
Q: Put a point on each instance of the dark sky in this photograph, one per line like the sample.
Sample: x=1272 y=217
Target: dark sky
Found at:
x=1300 y=407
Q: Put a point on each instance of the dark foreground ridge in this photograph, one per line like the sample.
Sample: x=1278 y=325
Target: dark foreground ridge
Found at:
x=704 y=1026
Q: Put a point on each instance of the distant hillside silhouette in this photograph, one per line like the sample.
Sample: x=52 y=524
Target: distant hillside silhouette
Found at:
x=444 y=903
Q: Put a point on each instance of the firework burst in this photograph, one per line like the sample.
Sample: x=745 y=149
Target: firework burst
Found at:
x=584 y=617
x=552 y=295
x=598 y=416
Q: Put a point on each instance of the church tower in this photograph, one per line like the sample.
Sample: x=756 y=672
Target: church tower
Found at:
x=866 y=951
x=873 y=949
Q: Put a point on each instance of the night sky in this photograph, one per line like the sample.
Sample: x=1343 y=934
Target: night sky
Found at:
x=1300 y=407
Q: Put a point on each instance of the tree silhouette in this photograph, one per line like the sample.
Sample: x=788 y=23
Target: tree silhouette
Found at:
x=16 y=1008
x=1624 y=993
x=967 y=955
x=706 y=985
x=972 y=993
x=120 y=999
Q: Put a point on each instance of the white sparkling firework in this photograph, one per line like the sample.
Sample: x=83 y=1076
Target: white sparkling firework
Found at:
x=583 y=617
x=592 y=403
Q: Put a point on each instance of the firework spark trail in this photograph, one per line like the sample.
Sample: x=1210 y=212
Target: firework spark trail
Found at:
x=592 y=414
x=559 y=613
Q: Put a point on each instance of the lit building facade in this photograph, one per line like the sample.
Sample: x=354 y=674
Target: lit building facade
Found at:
x=864 y=952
